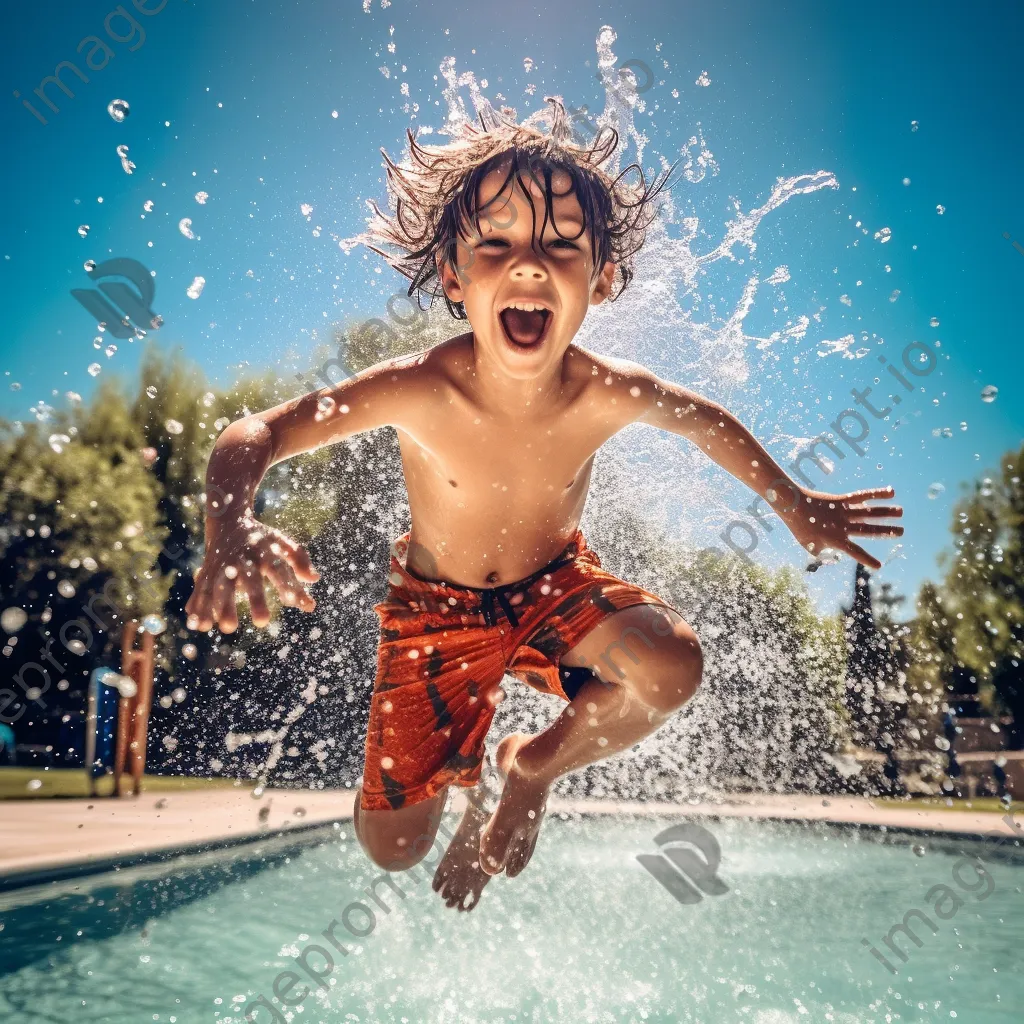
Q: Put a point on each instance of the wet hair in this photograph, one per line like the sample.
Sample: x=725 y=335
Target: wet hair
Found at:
x=435 y=196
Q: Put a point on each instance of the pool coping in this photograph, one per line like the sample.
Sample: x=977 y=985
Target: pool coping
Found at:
x=33 y=884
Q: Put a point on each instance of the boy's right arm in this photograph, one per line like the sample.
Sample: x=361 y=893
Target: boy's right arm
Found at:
x=240 y=551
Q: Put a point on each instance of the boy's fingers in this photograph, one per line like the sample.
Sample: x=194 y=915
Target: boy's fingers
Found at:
x=299 y=559
x=876 y=510
x=198 y=608
x=874 y=530
x=280 y=573
x=857 y=552
x=870 y=492
x=258 y=610
x=227 y=612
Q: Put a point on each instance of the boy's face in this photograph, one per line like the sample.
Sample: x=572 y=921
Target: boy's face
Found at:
x=499 y=268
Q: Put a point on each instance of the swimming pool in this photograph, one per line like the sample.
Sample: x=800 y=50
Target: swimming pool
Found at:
x=586 y=933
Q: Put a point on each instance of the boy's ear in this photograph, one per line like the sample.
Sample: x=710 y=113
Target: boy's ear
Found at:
x=449 y=279
x=603 y=285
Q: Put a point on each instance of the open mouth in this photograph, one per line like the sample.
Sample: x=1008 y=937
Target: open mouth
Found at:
x=525 y=324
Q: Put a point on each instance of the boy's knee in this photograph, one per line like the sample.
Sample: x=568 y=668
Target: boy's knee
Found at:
x=676 y=674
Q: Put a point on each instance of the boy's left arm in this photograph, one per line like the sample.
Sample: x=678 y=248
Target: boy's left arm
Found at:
x=816 y=519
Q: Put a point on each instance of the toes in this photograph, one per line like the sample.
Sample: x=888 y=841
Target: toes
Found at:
x=494 y=849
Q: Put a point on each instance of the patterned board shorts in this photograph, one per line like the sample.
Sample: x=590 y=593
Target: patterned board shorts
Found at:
x=444 y=650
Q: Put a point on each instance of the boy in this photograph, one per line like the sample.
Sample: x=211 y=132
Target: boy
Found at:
x=498 y=430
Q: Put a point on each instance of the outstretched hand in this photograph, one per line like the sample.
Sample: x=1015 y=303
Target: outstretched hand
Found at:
x=829 y=521
x=237 y=559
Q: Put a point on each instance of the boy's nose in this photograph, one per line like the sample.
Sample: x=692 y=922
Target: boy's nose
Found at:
x=529 y=273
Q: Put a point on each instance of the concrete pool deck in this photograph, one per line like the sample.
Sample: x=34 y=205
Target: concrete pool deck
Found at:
x=67 y=836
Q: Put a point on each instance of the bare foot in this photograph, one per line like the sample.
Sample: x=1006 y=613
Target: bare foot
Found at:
x=508 y=841
x=459 y=874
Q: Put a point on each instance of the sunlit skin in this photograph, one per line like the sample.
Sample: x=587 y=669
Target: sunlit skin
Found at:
x=497 y=444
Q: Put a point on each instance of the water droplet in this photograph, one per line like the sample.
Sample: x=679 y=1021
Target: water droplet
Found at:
x=118 y=109
x=334 y=113
x=703 y=79
x=989 y=392
x=940 y=209
x=195 y=289
x=173 y=426
x=201 y=198
x=257 y=792
x=934 y=490
x=154 y=624
x=126 y=164
x=185 y=227
x=148 y=206
x=906 y=181
x=57 y=442
x=109 y=351
x=151 y=391
x=914 y=126
x=918 y=850
x=83 y=229
x=89 y=265
x=33 y=784
x=12 y=619
x=157 y=322
x=934 y=322
x=306 y=209
x=190 y=652
x=178 y=694
x=527 y=64
x=94 y=369
x=883 y=235
x=324 y=408
x=126 y=686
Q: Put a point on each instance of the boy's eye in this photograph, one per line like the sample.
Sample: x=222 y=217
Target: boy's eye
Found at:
x=551 y=244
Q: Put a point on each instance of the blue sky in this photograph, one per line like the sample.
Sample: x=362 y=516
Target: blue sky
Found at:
x=249 y=88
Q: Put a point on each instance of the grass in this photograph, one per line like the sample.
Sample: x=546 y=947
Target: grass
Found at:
x=938 y=803
x=71 y=782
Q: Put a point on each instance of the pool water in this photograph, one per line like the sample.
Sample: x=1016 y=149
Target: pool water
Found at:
x=586 y=933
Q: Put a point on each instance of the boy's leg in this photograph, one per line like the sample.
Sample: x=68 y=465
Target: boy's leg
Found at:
x=646 y=663
x=398 y=839
x=459 y=879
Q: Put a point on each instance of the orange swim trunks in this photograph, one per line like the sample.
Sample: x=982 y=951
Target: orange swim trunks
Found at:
x=444 y=650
